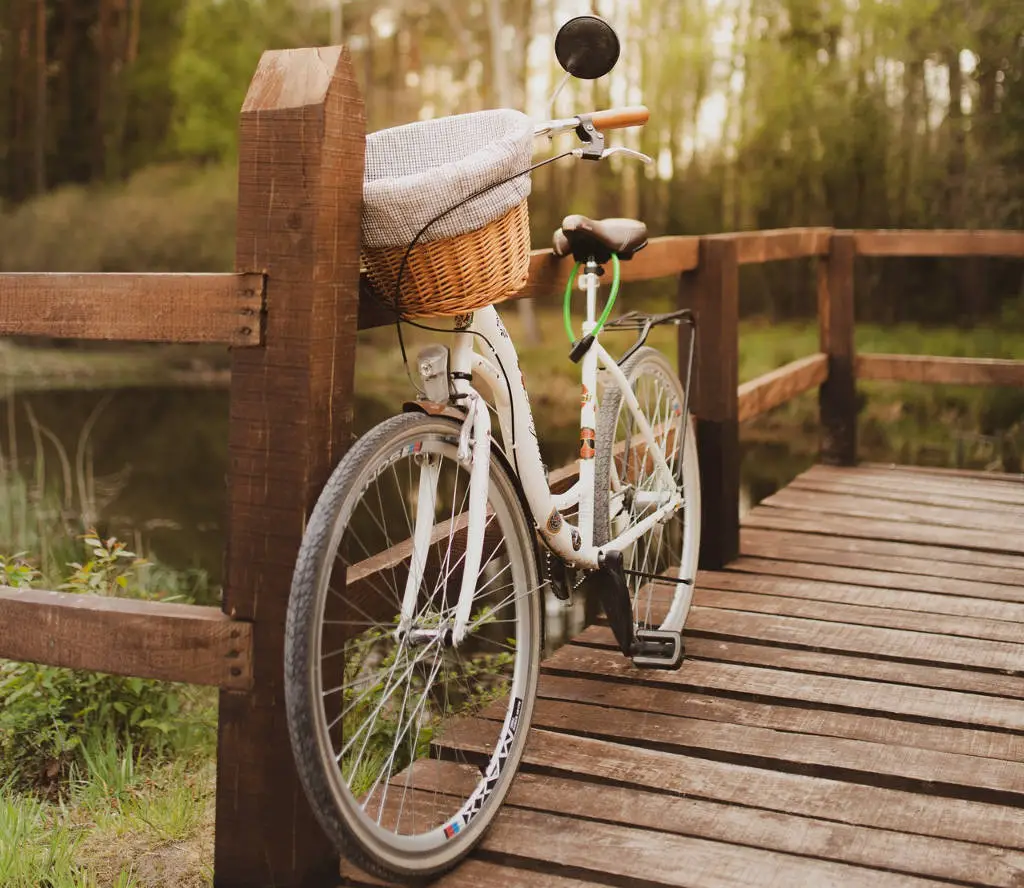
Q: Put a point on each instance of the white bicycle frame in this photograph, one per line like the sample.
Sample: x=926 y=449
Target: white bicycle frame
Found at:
x=503 y=378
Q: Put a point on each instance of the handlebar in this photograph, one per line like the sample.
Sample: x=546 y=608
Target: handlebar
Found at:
x=612 y=118
x=620 y=118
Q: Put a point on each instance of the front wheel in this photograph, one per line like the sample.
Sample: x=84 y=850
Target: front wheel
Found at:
x=626 y=489
x=406 y=743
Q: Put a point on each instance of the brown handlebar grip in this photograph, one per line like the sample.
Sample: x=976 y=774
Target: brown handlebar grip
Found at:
x=618 y=118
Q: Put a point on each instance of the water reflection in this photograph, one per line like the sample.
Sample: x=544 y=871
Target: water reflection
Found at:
x=152 y=468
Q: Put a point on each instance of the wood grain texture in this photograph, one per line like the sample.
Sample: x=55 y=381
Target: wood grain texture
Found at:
x=171 y=642
x=836 y=504
x=850 y=665
x=1016 y=478
x=875 y=528
x=770 y=830
x=768 y=684
x=988 y=486
x=764 y=789
x=939 y=243
x=880 y=764
x=712 y=291
x=837 y=397
x=845 y=699
x=210 y=308
x=892 y=558
x=781 y=385
x=655 y=700
x=859 y=582
x=773 y=245
x=848 y=613
x=945 y=371
x=958 y=496
x=300 y=177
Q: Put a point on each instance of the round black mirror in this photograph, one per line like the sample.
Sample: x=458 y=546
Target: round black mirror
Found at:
x=587 y=47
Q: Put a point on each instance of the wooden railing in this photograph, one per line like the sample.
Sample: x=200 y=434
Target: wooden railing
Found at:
x=291 y=315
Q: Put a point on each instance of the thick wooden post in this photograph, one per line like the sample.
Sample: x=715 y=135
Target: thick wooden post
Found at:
x=712 y=291
x=837 y=396
x=299 y=205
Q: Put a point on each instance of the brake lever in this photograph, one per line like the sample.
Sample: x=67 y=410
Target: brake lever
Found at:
x=628 y=152
x=608 y=152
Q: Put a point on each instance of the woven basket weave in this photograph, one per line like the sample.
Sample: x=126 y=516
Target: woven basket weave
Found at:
x=476 y=254
x=457 y=274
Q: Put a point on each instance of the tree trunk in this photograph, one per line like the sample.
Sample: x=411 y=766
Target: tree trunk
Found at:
x=39 y=147
x=501 y=90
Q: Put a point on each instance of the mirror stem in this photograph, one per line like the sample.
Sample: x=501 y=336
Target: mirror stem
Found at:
x=557 y=92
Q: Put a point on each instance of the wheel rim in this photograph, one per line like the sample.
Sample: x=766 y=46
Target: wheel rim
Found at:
x=404 y=780
x=667 y=549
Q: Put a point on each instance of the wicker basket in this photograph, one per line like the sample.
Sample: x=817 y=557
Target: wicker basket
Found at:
x=475 y=254
x=457 y=274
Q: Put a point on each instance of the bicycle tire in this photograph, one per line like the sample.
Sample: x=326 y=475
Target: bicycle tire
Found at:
x=660 y=393
x=341 y=801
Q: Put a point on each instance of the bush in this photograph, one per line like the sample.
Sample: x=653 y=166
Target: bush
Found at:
x=165 y=218
x=52 y=719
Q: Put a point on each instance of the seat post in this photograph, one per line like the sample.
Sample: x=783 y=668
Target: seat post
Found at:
x=592 y=283
x=588 y=406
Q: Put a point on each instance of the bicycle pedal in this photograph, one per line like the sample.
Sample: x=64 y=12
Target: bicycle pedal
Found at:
x=655 y=649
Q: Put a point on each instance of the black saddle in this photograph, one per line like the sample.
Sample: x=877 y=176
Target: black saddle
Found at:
x=599 y=238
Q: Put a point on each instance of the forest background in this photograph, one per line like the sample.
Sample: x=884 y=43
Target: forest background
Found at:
x=765 y=113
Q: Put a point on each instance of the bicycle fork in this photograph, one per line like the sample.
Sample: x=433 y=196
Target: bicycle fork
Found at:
x=474 y=451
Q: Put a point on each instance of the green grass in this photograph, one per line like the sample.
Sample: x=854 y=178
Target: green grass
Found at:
x=123 y=825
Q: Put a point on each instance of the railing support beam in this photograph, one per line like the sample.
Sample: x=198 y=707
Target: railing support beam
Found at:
x=837 y=396
x=299 y=209
x=712 y=291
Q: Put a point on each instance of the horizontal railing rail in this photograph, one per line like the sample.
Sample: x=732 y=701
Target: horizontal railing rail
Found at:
x=211 y=308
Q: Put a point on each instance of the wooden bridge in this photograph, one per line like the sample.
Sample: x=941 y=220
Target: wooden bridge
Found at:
x=852 y=709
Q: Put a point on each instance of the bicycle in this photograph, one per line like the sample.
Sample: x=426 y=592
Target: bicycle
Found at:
x=413 y=641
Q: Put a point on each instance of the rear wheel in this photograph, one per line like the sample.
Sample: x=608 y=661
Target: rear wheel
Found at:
x=632 y=489
x=406 y=743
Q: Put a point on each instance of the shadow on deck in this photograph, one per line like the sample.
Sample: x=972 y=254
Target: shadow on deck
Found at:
x=850 y=712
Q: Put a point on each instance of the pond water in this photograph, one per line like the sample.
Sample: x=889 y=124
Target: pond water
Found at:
x=149 y=466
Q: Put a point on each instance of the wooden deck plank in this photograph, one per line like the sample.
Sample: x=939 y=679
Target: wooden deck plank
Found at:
x=918 y=494
x=969 y=474
x=860 y=761
x=906 y=480
x=810 y=521
x=629 y=855
x=808 y=607
x=906 y=645
x=853 y=666
x=867 y=587
x=850 y=709
x=762 y=788
x=784 y=717
x=476 y=873
x=838 y=504
x=754 y=828
x=891 y=557
x=767 y=684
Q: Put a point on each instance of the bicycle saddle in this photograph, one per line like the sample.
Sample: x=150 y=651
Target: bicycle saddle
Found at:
x=599 y=238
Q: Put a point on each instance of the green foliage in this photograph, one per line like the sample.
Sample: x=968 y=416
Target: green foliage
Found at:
x=220 y=48
x=53 y=720
x=168 y=218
